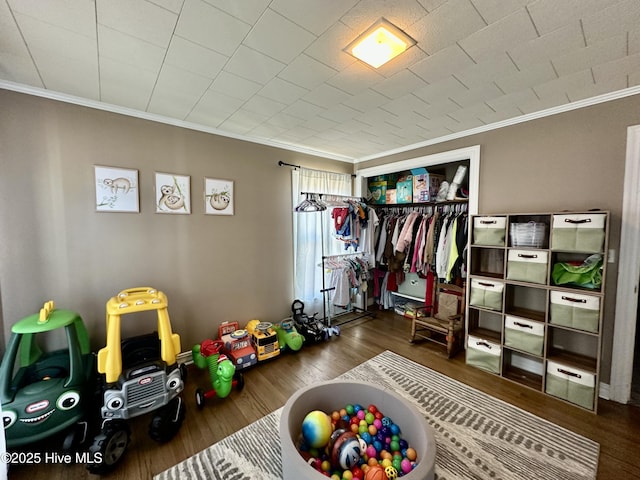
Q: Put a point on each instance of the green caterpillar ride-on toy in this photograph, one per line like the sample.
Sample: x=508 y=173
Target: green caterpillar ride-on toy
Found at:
x=51 y=392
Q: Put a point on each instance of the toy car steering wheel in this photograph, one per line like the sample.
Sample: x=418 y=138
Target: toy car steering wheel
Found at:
x=239 y=334
x=264 y=326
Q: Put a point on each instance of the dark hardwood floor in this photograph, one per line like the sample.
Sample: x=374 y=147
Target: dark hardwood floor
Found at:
x=267 y=386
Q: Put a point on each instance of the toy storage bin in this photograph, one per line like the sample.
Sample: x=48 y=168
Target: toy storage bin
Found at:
x=489 y=231
x=413 y=285
x=328 y=396
x=529 y=234
x=486 y=294
x=575 y=310
x=524 y=335
x=571 y=384
x=483 y=354
x=578 y=232
x=527 y=266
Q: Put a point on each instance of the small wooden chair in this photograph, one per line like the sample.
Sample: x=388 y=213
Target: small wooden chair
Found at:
x=444 y=324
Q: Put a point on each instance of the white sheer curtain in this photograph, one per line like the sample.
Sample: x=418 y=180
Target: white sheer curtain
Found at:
x=309 y=229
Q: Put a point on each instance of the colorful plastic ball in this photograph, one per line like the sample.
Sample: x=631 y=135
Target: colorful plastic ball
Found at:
x=371 y=452
x=377 y=423
x=406 y=466
x=347 y=475
x=366 y=437
x=346 y=450
x=412 y=454
x=376 y=472
x=377 y=444
x=391 y=472
x=369 y=417
x=372 y=429
x=317 y=428
x=395 y=429
x=372 y=408
x=394 y=445
x=386 y=421
x=349 y=409
x=397 y=464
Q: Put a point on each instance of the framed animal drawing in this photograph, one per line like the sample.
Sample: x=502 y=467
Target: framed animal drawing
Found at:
x=116 y=189
x=173 y=193
x=218 y=196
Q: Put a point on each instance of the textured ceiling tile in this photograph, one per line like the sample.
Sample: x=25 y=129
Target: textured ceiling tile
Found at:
x=616 y=19
x=242 y=122
x=564 y=84
x=263 y=106
x=328 y=47
x=52 y=40
x=213 y=108
x=176 y=92
x=252 y=65
x=340 y=113
x=442 y=64
x=405 y=106
x=449 y=23
x=539 y=73
x=497 y=37
x=486 y=71
x=67 y=75
x=313 y=15
x=303 y=110
x=319 y=124
x=284 y=120
x=366 y=100
x=128 y=50
x=75 y=15
x=612 y=83
x=249 y=11
x=307 y=72
x=511 y=101
x=500 y=115
x=634 y=42
x=326 y=96
x=234 y=86
x=265 y=130
x=606 y=72
x=402 y=13
x=278 y=37
x=207 y=26
x=548 y=15
x=16 y=64
x=194 y=58
x=172 y=5
x=282 y=91
x=594 y=54
x=444 y=88
x=482 y=93
x=355 y=78
x=126 y=84
x=494 y=10
x=399 y=84
x=138 y=19
x=541 y=49
x=472 y=112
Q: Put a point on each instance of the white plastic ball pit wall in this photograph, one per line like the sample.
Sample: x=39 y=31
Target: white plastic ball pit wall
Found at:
x=333 y=395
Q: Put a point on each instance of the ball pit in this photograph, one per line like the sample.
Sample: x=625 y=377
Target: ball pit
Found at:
x=329 y=396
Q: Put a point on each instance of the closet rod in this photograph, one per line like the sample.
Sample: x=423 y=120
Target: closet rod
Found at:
x=342 y=255
x=284 y=164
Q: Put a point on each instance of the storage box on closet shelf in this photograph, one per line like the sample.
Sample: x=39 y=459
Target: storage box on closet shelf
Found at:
x=530 y=234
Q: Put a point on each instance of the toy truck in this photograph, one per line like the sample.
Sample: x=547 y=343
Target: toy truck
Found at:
x=140 y=375
x=48 y=393
x=264 y=338
x=237 y=345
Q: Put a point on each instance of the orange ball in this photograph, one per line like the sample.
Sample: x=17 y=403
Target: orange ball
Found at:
x=376 y=472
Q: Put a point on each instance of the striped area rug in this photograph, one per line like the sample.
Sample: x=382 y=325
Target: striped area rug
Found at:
x=477 y=436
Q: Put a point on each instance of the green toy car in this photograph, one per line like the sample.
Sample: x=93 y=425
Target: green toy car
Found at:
x=47 y=393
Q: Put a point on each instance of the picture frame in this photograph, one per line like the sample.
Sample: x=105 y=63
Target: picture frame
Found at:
x=218 y=196
x=116 y=189
x=172 y=193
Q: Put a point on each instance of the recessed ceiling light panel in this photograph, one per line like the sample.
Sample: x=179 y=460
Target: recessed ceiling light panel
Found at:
x=381 y=42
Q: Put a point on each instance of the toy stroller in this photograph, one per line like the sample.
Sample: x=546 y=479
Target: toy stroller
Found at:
x=311 y=328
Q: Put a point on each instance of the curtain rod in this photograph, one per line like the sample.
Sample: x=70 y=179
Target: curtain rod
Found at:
x=283 y=164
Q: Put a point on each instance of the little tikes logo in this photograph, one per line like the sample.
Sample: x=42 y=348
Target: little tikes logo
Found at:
x=145 y=381
x=37 y=406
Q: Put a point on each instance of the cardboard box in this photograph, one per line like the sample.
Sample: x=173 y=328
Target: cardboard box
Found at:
x=378 y=192
x=404 y=189
x=425 y=185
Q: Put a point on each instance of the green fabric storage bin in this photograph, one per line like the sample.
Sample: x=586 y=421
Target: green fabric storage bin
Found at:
x=578 y=232
x=524 y=335
x=527 y=266
x=483 y=354
x=486 y=294
x=489 y=231
x=571 y=384
x=575 y=310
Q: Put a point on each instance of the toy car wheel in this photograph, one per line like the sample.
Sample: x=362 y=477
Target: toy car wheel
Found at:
x=167 y=421
x=110 y=444
x=75 y=436
x=200 y=398
x=239 y=379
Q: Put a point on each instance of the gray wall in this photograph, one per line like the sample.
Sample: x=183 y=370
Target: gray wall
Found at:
x=54 y=245
x=570 y=161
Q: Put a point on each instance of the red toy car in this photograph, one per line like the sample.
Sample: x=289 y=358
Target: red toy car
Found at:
x=237 y=345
